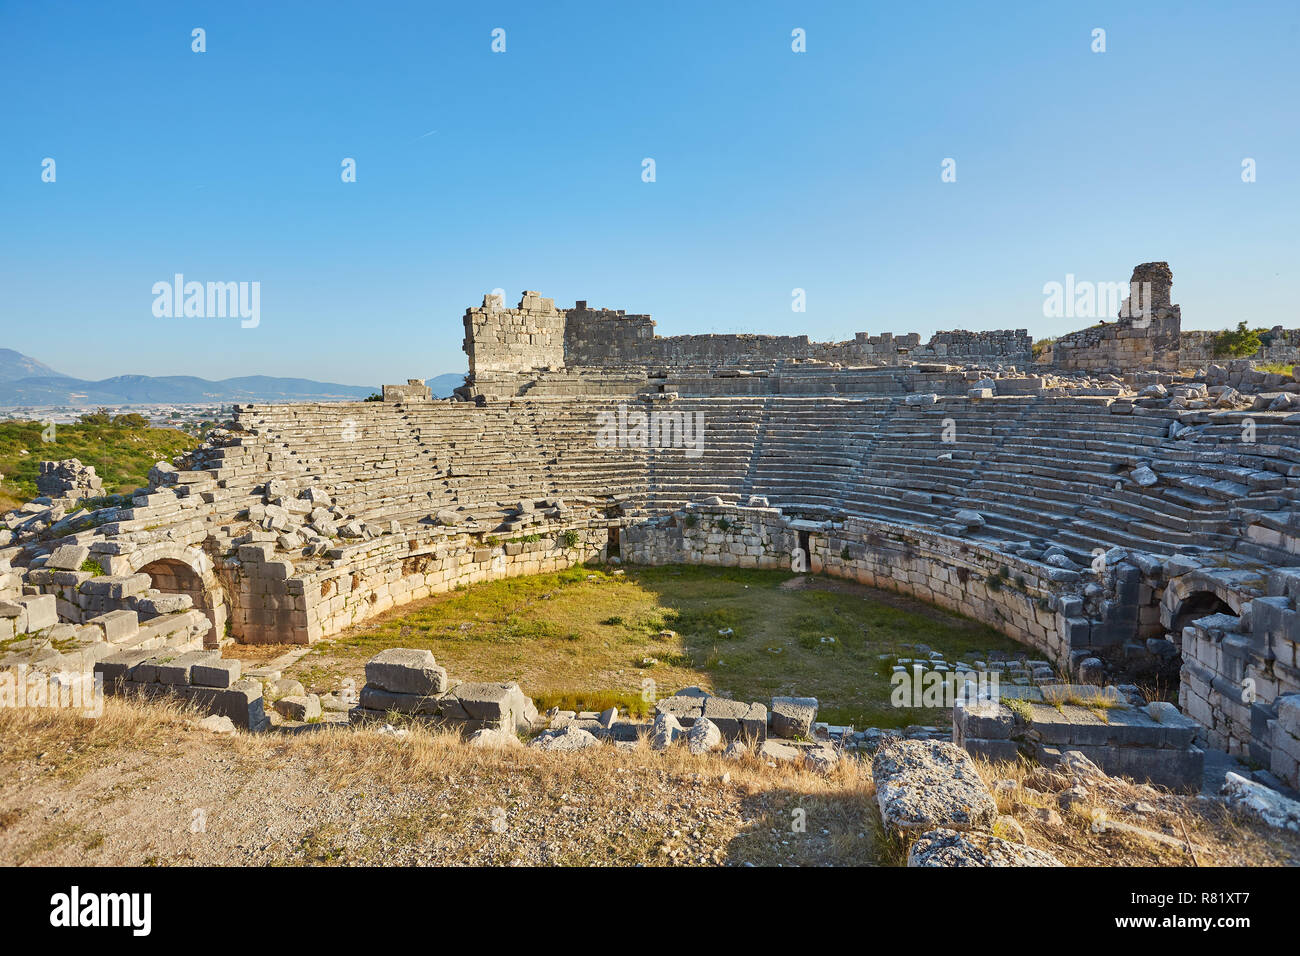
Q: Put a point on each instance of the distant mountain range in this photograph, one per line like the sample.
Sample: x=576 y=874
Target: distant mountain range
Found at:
x=25 y=381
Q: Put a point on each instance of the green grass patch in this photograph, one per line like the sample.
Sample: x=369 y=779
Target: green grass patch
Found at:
x=584 y=640
x=122 y=455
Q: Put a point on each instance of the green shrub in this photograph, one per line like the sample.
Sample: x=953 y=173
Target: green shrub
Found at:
x=1240 y=342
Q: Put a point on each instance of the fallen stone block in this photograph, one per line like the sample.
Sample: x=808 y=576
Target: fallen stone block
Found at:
x=504 y=703
x=567 y=739
x=68 y=557
x=928 y=784
x=793 y=717
x=947 y=847
x=117 y=625
x=242 y=702
x=405 y=671
x=736 y=718
x=1258 y=801
x=299 y=707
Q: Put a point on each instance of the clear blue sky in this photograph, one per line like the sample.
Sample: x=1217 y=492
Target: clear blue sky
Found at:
x=522 y=170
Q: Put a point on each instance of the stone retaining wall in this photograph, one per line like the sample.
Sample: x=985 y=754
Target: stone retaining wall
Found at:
x=1241 y=672
x=1011 y=595
x=276 y=605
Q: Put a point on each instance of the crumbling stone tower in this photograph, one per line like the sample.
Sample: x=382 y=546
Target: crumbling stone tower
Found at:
x=1146 y=334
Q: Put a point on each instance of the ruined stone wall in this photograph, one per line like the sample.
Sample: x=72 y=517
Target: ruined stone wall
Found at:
x=273 y=604
x=530 y=336
x=1241 y=667
x=1146 y=335
x=502 y=343
x=1282 y=345
x=1011 y=595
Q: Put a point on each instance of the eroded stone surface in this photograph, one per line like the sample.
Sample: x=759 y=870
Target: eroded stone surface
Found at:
x=927 y=785
x=947 y=847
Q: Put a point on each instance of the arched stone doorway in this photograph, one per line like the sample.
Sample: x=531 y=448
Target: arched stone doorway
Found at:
x=1196 y=605
x=179 y=570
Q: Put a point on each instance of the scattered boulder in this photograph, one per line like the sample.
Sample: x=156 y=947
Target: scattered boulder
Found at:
x=1144 y=476
x=1258 y=801
x=217 y=724
x=665 y=732
x=567 y=739
x=930 y=784
x=821 y=759
x=494 y=737
x=703 y=736
x=947 y=847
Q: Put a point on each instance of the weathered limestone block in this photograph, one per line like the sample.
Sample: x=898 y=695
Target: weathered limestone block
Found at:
x=497 y=703
x=404 y=671
x=68 y=557
x=947 y=847
x=927 y=784
x=302 y=707
x=40 y=612
x=736 y=718
x=793 y=717
x=215 y=672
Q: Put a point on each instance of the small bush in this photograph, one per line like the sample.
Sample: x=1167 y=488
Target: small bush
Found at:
x=1240 y=342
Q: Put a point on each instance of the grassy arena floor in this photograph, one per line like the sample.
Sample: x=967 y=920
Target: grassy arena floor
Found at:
x=587 y=638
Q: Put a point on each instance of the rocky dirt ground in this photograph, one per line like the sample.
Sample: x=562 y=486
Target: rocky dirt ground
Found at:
x=144 y=785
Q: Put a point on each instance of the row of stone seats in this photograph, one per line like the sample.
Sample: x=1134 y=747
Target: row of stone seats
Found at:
x=731 y=429
x=1035 y=468
x=809 y=451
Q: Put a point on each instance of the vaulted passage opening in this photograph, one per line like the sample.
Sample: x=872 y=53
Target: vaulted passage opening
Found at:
x=1197 y=605
x=176 y=577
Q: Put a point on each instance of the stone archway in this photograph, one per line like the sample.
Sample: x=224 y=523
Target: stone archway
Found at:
x=174 y=569
x=1195 y=595
x=1196 y=605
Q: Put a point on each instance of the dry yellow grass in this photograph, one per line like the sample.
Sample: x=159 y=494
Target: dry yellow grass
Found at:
x=1120 y=823
x=125 y=788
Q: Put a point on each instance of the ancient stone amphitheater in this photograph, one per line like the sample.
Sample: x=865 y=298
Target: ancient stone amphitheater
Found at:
x=1103 y=508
